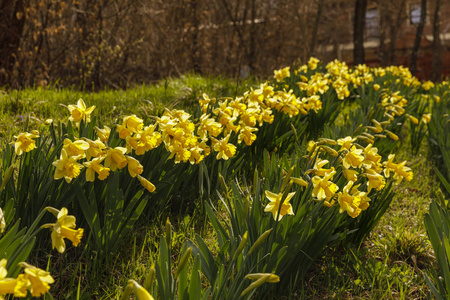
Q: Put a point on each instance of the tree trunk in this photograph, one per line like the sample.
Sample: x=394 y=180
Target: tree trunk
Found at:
x=315 y=28
x=415 y=51
x=393 y=30
x=12 y=21
x=358 y=31
x=436 y=63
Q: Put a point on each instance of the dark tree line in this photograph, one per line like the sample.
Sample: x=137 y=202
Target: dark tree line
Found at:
x=95 y=43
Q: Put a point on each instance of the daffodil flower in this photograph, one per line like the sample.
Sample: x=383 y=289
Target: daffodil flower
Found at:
x=40 y=280
x=80 y=112
x=63 y=228
x=115 y=158
x=224 y=149
x=275 y=202
x=93 y=167
x=134 y=166
x=17 y=286
x=324 y=188
x=67 y=167
x=77 y=148
x=353 y=158
x=25 y=142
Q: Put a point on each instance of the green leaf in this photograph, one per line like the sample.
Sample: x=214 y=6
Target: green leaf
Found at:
x=195 y=288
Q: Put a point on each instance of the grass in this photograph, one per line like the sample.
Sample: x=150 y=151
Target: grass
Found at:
x=39 y=104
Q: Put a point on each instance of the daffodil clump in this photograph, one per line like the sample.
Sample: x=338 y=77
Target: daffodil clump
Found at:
x=35 y=280
x=363 y=170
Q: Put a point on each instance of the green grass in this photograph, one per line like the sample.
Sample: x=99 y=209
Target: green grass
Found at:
x=146 y=100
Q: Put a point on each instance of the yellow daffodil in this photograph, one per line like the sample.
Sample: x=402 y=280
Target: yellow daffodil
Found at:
x=115 y=158
x=313 y=62
x=224 y=149
x=80 y=112
x=95 y=148
x=282 y=73
x=371 y=158
x=350 y=175
x=246 y=134
x=376 y=180
x=426 y=118
x=67 y=167
x=318 y=170
x=353 y=158
x=77 y=148
x=40 y=280
x=103 y=134
x=207 y=126
x=63 y=228
x=324 y=188
x=17 y=286
x=275 y=202
x=93 y=167
x=400 y=170
x=131 y=124
x=134 y=166
x=141 y=292
x=346 y=143
x=348 y=202
x=25 y=142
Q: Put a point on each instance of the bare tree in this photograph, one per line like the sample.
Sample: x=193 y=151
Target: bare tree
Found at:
x=12 y=21
x=419 y=32
x=436 y=63
x=315 y=28
x=358 y=31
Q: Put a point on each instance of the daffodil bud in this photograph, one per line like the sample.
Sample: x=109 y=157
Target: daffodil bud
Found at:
x=330 y=151
x=183 y=261
x=255 y=276
x=413 y=119
x=328 y=141
x=6 y=177
x=391 y=135
x=299 y=181
x=368 y=135
x=141 y=293
x=126 y=294
x=357 y=129
x=390 y=117
x=262 y=278
x=382 y=136
x=149 y=279
x=168 y=233
x=241 y=246
x=374 y=129
x=260 y=240
x=222 y=183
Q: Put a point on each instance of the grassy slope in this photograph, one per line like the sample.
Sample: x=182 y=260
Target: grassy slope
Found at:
x=144 y=101
x=390 y=264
